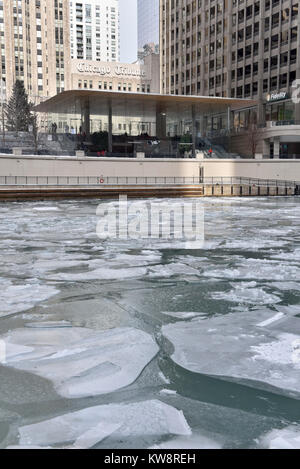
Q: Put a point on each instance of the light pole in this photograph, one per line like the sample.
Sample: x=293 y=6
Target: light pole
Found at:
x=3 y=100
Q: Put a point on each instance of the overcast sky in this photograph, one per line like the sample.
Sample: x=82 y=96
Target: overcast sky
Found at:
x=128 y=19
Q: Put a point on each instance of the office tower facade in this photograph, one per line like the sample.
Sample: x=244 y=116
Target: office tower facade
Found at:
x=234 y=48
x=34 y=46
x=95 y=30
x=148 y=24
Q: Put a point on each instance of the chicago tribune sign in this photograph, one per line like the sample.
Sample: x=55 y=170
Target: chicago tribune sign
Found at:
x=111 y=71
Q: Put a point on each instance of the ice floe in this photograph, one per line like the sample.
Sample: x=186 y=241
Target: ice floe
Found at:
x=46 y=209
x=247 y=293
x=271 y=320
x=284 y=350
x=189 y=442
x=87 y=427
x=287 y=438
x=169 y=270
x=237 y=347
x=262 y=269
x=168 y=392
x=105 y=273
x=181 y=315
x=81 y=362
x=17 y=298
x=48 y=325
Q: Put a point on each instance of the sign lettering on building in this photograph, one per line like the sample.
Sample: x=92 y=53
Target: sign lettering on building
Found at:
x=111 y=71
x=277 y=96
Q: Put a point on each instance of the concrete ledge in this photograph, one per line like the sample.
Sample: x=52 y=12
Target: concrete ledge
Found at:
x=10 y=193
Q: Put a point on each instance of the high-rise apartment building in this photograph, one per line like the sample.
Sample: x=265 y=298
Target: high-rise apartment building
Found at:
x=234 y=48
x=95 y=30
x=148 y=24
x=34 y=46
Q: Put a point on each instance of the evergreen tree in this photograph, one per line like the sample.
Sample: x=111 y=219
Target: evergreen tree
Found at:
x=18 y=109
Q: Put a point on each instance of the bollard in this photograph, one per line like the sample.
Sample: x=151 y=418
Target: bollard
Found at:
x=17 y=151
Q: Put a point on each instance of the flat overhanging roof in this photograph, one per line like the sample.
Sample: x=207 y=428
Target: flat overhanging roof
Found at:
x=124 y=103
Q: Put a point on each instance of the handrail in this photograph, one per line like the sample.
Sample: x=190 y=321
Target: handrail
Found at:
x=92 y=181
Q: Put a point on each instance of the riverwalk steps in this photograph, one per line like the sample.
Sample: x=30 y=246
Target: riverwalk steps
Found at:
x=35 y=192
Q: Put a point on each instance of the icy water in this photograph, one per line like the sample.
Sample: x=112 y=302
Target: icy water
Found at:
x=110 y=344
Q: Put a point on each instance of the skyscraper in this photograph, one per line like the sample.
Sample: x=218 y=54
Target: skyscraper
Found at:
x=236 y=49
x=95 y=30
x=34 y=38
x=148 y=23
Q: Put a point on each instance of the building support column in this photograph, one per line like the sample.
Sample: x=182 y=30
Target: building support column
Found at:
x=276 y=148
x=86 y=118
x=194 y=131
x=229 y=129
x=297 y=105
x=161 y=124
x=110 y=128
x=266 y=148
x=261 y=107
x=201 y=122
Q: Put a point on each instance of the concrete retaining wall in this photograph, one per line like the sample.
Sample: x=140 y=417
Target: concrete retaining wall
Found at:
x=10 y=193
x=288 y=170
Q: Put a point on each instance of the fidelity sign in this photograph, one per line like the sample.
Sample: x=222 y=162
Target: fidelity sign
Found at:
x=110 y=71
x=277 y=96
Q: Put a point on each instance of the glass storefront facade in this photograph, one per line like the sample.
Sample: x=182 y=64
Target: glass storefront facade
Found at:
x=282 y=111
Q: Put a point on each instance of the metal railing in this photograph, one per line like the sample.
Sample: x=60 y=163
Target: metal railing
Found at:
x=95 y=181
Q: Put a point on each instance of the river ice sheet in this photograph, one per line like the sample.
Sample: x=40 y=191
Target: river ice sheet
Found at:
x=81 y=362
x=152 y=418
x=238 y=347
x=83 y=317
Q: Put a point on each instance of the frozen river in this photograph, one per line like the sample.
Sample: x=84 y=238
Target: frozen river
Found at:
x=114 y=344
